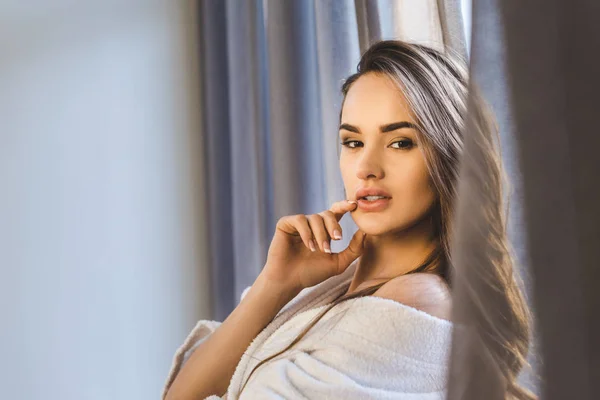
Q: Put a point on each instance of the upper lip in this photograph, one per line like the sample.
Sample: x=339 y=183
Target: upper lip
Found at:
x=371 y=191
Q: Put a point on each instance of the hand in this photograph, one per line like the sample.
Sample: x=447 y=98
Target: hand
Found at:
x=300 y=254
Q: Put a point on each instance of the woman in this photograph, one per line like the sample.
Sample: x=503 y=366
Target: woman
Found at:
x=389 y=332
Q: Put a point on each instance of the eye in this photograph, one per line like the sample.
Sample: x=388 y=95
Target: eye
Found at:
x=406 y=144
x=348 y=143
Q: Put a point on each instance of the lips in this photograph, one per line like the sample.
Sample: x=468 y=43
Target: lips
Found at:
x=372 y=191
x=373 y=205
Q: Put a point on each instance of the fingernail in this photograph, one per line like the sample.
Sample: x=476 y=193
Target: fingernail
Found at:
x=326 y=247
x=337 y=234
x=311 y=243
x=352 y=201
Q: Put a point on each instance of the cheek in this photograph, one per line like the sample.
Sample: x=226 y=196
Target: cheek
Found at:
x=346 y=173
x=416 y=190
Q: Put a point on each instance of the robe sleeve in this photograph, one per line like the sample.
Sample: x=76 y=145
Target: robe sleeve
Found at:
x=202 y=331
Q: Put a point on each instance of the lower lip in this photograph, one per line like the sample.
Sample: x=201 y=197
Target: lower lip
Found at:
x=376 y=205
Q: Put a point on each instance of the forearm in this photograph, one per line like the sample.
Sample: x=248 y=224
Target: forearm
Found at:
x=211 y=366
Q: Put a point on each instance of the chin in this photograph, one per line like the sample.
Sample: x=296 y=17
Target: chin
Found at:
x=374 y=225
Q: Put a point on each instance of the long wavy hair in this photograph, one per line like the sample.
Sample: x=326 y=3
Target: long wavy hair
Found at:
x=436 y=87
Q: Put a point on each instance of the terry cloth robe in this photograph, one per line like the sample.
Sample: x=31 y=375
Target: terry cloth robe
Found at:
x=364 y=348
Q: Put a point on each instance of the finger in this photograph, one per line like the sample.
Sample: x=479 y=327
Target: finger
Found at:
x=317 y=226
x=298 y=225
x=340 y=208
x=332 y=225
x=352 y=252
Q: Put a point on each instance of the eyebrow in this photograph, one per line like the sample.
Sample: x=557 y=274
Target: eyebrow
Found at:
x=383 y=128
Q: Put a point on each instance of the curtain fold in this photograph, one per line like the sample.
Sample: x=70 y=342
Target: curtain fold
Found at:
x=249 y=152
x=473 y=375
x=215 y=100
x=368 y=22
x=451 y=25
x=552 y=59
x=536 y=63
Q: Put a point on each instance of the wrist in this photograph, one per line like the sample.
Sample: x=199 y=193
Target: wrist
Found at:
x=279 y=289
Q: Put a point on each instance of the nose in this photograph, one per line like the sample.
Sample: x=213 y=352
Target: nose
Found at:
x=369 y=165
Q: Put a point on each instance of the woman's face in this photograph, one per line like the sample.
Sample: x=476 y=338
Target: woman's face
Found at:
x=389 y=159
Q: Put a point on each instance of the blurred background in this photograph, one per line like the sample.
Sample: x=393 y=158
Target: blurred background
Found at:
x=103 y=246
x=139 y=182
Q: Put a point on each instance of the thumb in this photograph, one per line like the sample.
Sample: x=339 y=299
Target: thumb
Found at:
x=352 y=252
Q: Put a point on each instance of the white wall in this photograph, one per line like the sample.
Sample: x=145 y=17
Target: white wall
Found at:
x=101 y=245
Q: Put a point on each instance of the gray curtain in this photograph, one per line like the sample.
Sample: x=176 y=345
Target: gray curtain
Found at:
x=271 y=73
x=488 y=70
x=552 y=49
x=271 y=78
x=536 y=63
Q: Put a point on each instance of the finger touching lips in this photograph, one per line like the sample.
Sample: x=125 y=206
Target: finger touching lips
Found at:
x=339 y=208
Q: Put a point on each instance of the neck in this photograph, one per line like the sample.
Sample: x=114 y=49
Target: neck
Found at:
x=393 y=254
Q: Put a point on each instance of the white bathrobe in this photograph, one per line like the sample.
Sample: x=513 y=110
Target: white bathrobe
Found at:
x=364 y=348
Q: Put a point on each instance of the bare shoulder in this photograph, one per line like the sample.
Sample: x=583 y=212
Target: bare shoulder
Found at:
x=423 y=291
